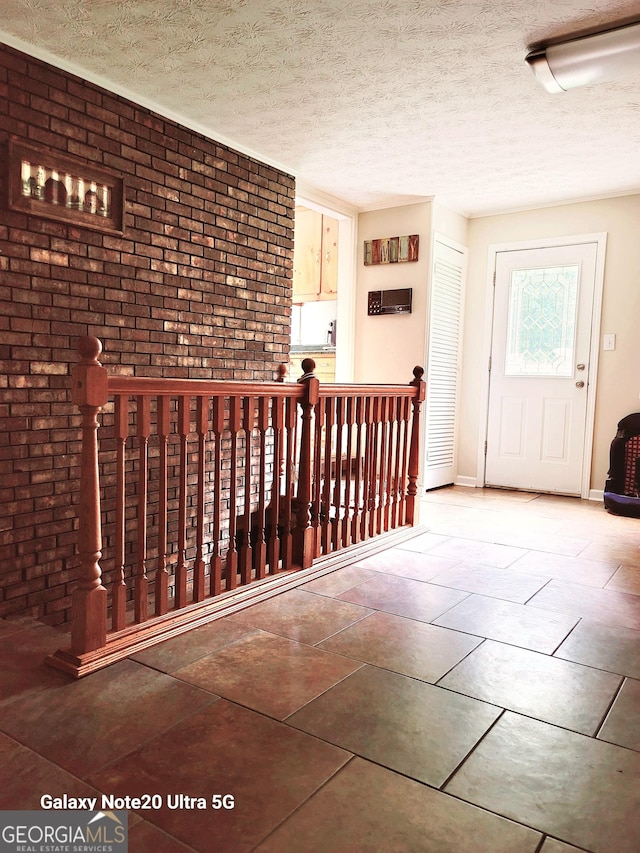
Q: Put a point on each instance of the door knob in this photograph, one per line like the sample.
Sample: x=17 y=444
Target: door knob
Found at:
x=580 y=384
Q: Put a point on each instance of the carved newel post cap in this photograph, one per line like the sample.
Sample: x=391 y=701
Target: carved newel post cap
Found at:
x=282 y=372
x=308 y=366
x=89 y=348
x=419 y=385
x=90 y=378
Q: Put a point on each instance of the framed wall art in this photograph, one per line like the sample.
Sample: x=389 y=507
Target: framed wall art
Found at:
x=391 y=250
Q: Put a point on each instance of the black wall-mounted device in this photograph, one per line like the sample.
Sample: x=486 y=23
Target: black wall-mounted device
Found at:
x=390 y=301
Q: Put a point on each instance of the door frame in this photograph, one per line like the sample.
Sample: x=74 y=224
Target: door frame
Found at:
x=347 y=217
x=600 y=239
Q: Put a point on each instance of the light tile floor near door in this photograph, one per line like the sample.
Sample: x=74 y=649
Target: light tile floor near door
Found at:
x=476 y=690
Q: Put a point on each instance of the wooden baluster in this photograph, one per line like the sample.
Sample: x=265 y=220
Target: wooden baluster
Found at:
x=414 y=449
x=184 y=425
x=303 y=544
x=384 y=463
x=402 y=509
x=286 y=544
x=260 y=544
x=389 y=472
x=383 y=494
x=215 y=562
x=356 y=532
x=202 y=428
x=346 y=521
x=337 y=486
x=162 y=575
x=278 y=474
x=235 y=409
x=329 y=420
x=273 y=544
x=397 y=414
x=316 y=502
x=366 y=477
x=374 y=479
x=89 y=599
x=246 y=551
x=141 y=587
x=119 y=588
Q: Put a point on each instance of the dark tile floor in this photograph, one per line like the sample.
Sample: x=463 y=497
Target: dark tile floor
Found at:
x=476 y=690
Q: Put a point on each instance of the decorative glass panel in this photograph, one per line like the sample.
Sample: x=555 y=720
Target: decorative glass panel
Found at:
x=542 y=322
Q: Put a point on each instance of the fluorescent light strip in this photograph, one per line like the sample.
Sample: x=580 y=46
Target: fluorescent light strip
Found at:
x=598 y=58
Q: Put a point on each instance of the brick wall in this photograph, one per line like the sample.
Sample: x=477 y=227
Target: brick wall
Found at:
x=198 y=286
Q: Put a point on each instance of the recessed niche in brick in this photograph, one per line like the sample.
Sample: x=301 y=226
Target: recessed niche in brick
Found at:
x=46 y=184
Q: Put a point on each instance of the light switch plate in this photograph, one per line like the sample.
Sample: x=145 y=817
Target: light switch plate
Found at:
x=609 y=342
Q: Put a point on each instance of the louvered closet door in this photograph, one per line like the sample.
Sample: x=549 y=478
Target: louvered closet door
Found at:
x=444 y=362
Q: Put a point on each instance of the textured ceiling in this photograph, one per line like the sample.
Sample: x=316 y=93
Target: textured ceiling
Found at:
x=375 y=102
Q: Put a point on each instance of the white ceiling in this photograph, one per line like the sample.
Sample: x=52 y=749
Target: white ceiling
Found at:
x=375 y=102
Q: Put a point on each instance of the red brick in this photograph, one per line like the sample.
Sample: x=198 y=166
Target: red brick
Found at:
x=195 y=213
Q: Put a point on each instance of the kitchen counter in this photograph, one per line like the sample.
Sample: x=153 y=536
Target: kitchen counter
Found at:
x=324 y=357
x=305 y=348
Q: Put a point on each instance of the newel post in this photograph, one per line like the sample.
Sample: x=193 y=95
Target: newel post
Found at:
x=89 y=599
x=414 y=447
x=303 y=533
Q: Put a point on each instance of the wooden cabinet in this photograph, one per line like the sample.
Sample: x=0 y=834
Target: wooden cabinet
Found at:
x=329 y=265
x=325 y=365
x=315 y=256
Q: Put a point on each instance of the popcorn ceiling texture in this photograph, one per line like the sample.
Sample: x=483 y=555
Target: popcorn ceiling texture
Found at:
x=377 y=102
x=199 y=286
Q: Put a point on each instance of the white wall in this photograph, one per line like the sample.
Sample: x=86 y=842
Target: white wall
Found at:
x=388 y=347
x=450 y=224
x=618 y=380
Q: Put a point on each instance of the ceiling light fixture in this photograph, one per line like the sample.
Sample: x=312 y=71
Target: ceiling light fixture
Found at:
x=589 y=59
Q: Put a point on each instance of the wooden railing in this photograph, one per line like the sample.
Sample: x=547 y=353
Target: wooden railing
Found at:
x=198 y=488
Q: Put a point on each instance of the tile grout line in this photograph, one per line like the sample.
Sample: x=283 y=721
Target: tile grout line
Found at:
x=483 y=640
x=531 y=597
x=304 y=802
x=608 y=710
x=471 y=751
x=562 y=642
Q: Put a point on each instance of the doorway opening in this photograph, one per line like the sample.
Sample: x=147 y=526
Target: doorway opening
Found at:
x=323 y=304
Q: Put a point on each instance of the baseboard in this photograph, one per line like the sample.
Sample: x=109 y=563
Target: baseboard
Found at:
x=472 y=483
x=469 y=482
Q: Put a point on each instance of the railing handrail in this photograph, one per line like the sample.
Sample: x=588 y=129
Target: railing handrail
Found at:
x=162 y=386
x=344 y=389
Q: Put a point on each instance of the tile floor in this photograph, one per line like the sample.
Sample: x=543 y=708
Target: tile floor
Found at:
x=476 y=690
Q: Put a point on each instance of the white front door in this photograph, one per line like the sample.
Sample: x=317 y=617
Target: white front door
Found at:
x=539 y=376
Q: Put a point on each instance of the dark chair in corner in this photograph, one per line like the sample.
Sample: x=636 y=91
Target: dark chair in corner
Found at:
x=622 y=489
